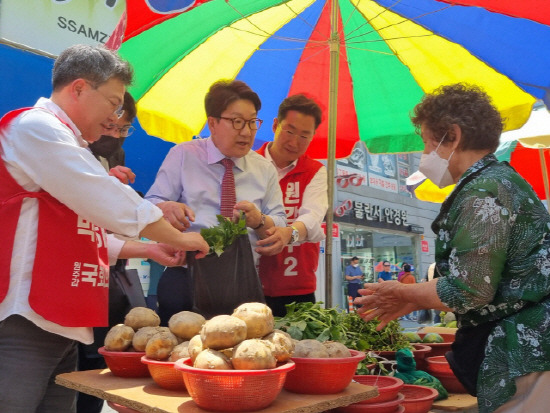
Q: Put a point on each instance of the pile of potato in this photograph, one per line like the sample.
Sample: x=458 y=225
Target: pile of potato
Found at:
x=245 y=340
x=141 y=331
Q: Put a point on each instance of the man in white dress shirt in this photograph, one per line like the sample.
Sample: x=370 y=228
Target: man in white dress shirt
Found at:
x=56 y=203
x=290 y=276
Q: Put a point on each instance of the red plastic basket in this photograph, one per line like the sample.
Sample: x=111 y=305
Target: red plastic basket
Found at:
x=439 y=368
x=233 y=390
x=418 y=399
x=125 y=363
x=164 y=374
x=389 y=406
x=388 y=387
x=322 y=375
x=439 y=349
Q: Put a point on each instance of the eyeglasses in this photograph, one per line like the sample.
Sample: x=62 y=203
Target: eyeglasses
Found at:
x=387 y=265
x=118 y=108
x=124 y=131
x=240 y=123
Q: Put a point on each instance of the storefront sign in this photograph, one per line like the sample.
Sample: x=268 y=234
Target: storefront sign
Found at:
x=370 y=212
x=365 y=213
x=335 y=229
x=425 y=247
x=52 y=26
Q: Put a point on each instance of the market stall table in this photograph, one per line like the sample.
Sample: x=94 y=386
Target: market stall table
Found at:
x=143 y=395
x=456 y=403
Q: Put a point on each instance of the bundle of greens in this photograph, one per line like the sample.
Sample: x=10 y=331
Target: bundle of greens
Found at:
x=224 y=234
x=311 y=321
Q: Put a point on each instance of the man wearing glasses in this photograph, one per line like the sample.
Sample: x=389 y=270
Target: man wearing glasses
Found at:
x=385 y=274
x=108 y=148
x=290 y=276
x=188 y=184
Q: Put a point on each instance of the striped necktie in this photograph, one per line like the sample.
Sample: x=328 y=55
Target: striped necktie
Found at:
x=228 y=199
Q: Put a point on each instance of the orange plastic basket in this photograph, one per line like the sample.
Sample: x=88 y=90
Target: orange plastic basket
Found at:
x=125 y=363
x=233 y=390
x=322 y=375
x=164 y=374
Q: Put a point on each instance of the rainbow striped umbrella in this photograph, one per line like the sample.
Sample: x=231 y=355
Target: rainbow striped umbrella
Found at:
x=390 y=53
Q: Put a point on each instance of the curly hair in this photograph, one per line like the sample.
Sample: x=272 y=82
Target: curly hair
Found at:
x=465 y=105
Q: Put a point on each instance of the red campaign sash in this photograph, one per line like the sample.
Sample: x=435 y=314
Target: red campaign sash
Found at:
x=70 y=276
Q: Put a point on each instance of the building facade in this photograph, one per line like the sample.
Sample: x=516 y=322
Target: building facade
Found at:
x=377 y=219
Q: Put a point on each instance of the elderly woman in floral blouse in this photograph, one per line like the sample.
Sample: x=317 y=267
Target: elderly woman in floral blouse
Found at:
x=492 y=257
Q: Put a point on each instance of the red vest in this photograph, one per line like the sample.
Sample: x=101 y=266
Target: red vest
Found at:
x=292 y=271
x=70 y=276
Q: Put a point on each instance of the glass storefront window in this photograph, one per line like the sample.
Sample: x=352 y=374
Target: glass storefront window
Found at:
x=373 y=247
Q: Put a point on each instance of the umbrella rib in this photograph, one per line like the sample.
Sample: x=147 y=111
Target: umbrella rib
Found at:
x=391 y=25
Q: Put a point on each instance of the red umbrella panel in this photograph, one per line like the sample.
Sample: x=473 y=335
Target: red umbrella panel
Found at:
x=529 y=163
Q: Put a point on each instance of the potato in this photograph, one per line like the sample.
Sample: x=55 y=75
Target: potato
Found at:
x=310 y=349
x=180 y=351
x=223 y=331
x=142 y=336
x=119 y=338
x=160 y=346
x=213 y=360
x=336 y=350
x=253 y=354
x=195 y=347
x=186 y=324
x=139 y=317
x=258 y=318
x=283 y=346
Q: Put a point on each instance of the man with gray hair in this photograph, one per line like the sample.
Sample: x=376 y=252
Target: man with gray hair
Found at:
x=56 y=203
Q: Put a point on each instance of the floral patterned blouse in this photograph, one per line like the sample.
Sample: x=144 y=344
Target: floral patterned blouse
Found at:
x=493 y=259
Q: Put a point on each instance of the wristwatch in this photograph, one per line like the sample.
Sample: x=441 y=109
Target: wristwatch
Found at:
x=262 y=222
x=295 y=235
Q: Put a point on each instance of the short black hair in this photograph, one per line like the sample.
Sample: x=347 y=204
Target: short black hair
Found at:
x=302 y=104
x=354 y=258
x=224 y=92
x=406 y=267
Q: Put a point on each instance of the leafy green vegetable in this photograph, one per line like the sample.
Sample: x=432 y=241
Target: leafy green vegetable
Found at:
x=224 y=234
x=311 y=321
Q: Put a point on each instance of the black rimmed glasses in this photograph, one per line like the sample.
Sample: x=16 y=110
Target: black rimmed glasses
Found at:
x=118 y=107
x=240 y=123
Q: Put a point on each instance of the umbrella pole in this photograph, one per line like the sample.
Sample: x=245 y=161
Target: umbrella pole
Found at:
x=332 y=106
x=544 y=176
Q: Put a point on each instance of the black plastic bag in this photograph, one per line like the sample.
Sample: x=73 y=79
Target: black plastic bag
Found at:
x=221 y=284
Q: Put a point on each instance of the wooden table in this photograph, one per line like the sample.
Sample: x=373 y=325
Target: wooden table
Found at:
x=456 y=403
x=144 y=395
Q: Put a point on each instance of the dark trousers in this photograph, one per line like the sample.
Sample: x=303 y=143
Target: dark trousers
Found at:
x=277 y=304
x=174 y=293
x=30 y=358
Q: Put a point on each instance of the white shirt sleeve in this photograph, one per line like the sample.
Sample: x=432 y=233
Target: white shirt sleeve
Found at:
x=314 y=206
x=114 y=245
x=50 y=159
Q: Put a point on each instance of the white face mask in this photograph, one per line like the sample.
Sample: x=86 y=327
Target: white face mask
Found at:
x=355 y=265
x=436 y=168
